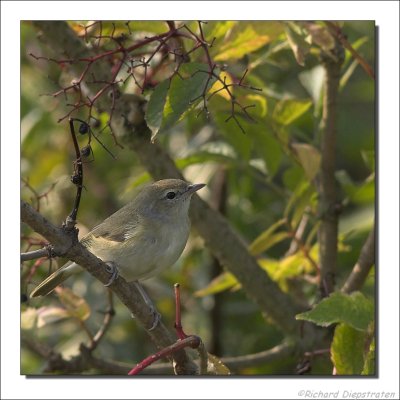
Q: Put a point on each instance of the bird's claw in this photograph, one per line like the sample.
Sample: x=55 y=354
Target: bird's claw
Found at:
x=113 y=270
x=156 y=319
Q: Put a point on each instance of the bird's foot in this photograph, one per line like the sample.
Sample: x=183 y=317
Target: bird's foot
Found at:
x=156 y=315
x=156 y=319
x=113 y=270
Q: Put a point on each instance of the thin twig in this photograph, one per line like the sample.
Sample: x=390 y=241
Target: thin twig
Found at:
x=335 y=29
x=32 y=255
x=77 y=177
x=366 y=260
x=190 y=341
x=109 y=314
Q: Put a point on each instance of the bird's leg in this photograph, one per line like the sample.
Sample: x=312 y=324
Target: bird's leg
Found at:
x=113 y=270
x=149 y=303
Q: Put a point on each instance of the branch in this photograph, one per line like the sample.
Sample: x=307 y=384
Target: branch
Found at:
x=328 y=206
x=127 y=293
x=183 y=341
x=335 y=29
x=32 y=255
x=86 y=360
x=366 y=260
x=264 y=357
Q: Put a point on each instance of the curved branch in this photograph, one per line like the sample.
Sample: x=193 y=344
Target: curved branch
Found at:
x=86 y=360
x=335 y=29
x=127 y=293
x=366 y=260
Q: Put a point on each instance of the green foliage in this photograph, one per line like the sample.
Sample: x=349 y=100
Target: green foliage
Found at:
x=354 y=310
x=287 y=111
x=170 y=101
x=348 y=350
x=309 y=158
x=268 y=238
x=246 y=38
x=155 y=107
x=353 y=351
x=369 y=364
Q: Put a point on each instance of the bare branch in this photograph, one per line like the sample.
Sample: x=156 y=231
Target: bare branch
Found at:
x=335 y=29
x=32 y=255
x=366 y=260
x=127 y=293
x=328 y=202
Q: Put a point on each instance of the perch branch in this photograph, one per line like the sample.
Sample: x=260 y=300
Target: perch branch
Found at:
x=127 y=293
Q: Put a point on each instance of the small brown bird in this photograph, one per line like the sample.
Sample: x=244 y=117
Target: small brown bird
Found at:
x=142 y=238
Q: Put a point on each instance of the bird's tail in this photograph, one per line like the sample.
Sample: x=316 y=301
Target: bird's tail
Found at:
x=55 y=279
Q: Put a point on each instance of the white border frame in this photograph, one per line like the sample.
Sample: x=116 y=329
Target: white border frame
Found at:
x=386 y=15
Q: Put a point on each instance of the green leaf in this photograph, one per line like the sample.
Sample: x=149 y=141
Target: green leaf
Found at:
x=155 y=108
x=354 y=310
x=260 y=102
x=241 y=143
x=247 y=37
x=268 y=238
x=219 y=29
x=355 y=45
x=184 y=94
x=289 y=267
x=362 y=194
x=287 y=111
x=369 y=364
x=75 y=305
x=347 y=350
x=302 y=197
x=222 y=282
x=268 y=148
x=309 y=158
x=347 y=75
x=203 y=157
x=149 y=26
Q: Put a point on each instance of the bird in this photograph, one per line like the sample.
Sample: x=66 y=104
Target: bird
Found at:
x=139 y=240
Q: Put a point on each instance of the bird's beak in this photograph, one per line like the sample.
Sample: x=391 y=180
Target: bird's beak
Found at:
x=195 y=187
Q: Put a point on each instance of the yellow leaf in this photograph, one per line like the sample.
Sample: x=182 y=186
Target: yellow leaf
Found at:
x=218 y=87
x=261 y=103
x=222 y=282
x=247 y=37
x=216 y=366
x=28 y=318
x=268 y=238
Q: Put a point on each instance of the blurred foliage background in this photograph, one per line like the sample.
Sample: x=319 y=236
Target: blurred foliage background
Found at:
x=253 y=177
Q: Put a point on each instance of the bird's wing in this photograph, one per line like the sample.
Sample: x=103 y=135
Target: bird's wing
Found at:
x=115 y=227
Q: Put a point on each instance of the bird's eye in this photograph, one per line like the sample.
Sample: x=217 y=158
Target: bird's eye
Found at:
x=171 y=195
